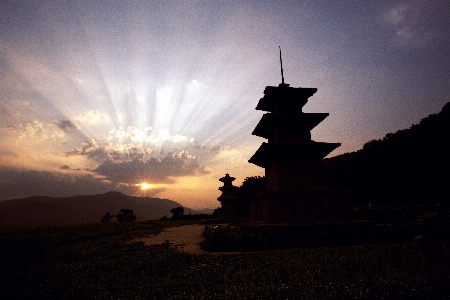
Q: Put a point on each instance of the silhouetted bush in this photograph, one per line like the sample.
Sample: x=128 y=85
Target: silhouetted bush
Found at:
x=107 y=218
x=177 y=211
x=126 y=215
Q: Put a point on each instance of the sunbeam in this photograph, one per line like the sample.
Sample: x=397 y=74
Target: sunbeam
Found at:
x=164 y=93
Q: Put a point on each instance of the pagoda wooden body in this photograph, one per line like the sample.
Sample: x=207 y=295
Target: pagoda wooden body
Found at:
x=292 y=161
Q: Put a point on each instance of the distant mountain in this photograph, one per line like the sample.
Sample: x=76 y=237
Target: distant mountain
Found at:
x=409 y=166
x=81 y=209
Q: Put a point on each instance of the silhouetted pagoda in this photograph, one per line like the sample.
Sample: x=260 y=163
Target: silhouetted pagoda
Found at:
x=292 y=161
x=228 y=199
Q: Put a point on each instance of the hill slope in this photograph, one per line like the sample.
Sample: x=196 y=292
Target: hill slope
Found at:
x=407 y=167
x=81 y=209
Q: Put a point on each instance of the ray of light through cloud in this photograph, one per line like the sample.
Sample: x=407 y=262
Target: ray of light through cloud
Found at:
x=158 y=98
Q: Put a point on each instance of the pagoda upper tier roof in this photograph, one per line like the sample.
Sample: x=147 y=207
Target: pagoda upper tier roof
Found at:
x=287 y=122
x=227 y=178
x=284 y=97
x=312 y=151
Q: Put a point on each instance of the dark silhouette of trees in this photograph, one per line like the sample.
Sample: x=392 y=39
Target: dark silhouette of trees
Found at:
x=251 y=186
x=409 y=166
x=216 y=212
x=126 y=215
x=107 y=217
x=177 y=211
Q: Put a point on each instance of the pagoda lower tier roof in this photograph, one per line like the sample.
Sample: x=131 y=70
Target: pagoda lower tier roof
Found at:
x=288 y=122
x=312 y=151
x=284 y=96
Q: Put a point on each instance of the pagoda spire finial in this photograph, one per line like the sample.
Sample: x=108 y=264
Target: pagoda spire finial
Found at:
x=281 y=62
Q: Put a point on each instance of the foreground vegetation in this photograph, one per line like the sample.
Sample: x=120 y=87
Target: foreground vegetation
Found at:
x=98 y=262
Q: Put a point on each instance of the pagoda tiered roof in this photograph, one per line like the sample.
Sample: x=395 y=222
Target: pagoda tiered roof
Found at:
x=288 y=122
x=312 y=151
x=284 y=97
x=227 y=179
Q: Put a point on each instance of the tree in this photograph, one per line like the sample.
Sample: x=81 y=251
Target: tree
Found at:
x=126 y=215
x=177 y=211
x=107 y=217
x=251 y=186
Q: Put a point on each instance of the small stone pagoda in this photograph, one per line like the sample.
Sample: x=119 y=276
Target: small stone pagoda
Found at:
x=228 y=199
x=292 y=161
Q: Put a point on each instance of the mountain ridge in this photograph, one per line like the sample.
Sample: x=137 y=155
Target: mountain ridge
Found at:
x=81 y=208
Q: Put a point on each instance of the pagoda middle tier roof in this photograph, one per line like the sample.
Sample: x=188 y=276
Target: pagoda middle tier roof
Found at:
x=312 y=151
x=287 y=122
x=227 y=178
x=284 y=96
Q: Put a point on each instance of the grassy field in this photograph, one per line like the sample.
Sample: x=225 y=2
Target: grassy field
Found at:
x=97 y=262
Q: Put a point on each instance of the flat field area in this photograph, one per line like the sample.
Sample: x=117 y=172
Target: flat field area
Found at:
x=111 y=261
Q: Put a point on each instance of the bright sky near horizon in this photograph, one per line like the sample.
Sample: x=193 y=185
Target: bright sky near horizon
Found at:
x=157 y=98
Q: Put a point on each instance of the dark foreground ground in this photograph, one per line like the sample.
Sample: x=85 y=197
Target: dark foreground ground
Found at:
x=96 y=262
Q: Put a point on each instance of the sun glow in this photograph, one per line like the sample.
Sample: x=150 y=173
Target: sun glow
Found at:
x=145 y=186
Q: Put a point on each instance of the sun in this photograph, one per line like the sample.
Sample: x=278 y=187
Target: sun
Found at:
x=145 y=186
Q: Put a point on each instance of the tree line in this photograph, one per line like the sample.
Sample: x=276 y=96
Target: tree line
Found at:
x=124 y=215
x=410 y=166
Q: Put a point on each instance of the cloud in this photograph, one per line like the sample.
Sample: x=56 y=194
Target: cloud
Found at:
x=147 y=135
x=113 y=152
x=93 y=117
x=91 y=150
x=37 y=132
x=66 y=125
x=123 y=162
x=34 y=130
x=155 y=170
x=220 y=149
x=412 y=23
x=131 y=143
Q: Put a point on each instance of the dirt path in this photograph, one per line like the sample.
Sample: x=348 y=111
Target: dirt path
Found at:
x=185 y=238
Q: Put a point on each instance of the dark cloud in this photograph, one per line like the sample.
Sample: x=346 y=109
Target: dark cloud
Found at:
x=66 y=126
x=128 y=163
x=91 y=150
x=154 y=170
x=217 y=149
x=107 y=151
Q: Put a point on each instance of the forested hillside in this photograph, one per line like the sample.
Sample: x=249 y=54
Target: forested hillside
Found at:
x=409 y=166
x=81 y=209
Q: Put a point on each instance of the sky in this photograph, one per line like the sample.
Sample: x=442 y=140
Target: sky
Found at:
x=157 y=98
